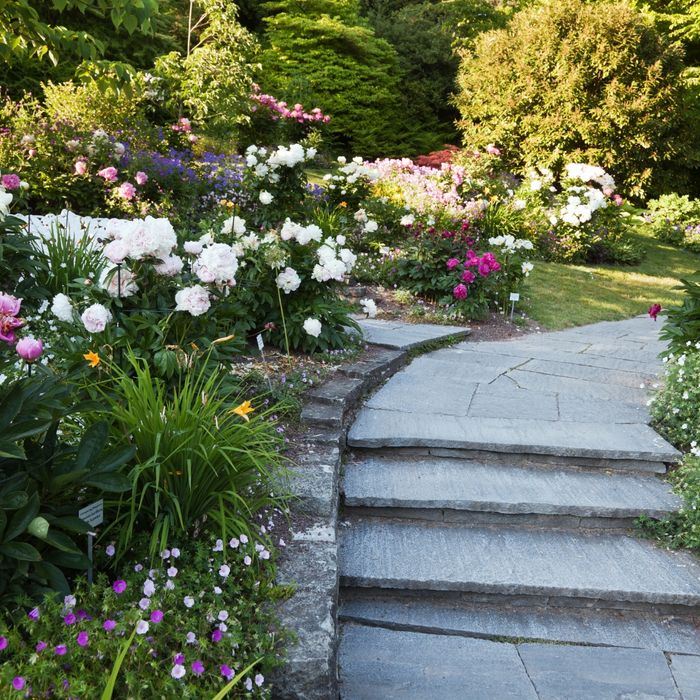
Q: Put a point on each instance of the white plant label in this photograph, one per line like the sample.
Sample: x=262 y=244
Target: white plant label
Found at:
x=93 y=514
x=514 y=296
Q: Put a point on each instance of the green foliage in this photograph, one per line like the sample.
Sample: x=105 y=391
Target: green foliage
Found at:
x=195 y=460
x=682 y=324
x=588 y=82
x=213 y=77
x=18 y=254
x=43 y=481
x=324 y=54
x=671 y=214
x=250 y=642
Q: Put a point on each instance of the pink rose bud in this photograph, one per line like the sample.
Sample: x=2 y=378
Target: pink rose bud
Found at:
x=80 y=167
x=141 y=178
x=29 y=349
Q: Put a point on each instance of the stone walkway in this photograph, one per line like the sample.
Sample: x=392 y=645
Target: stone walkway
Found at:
x=488 y=548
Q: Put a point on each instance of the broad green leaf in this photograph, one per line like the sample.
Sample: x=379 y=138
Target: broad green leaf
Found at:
x=21 y=519
x=20 y=550
x=91 y=445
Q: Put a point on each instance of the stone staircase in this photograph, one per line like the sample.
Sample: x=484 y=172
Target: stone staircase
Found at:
x=479 y=560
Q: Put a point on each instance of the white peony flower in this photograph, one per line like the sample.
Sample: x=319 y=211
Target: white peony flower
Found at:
x=527 y=268
x=369 y=307
x=349 y=258
x=407 y=220
x=265 y=197
x=193 y=247
x=194 y=300
x=288 y=281
x=371 y=226
x=312 y=326
x=61 y=308
x=234 y=224
x=118 y=282
x=217 y=263
x=95 y=318
x=5 y=201
x=361 y=216
x=171 y=266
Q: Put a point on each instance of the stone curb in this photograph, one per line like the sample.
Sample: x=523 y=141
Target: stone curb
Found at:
x=310 y=561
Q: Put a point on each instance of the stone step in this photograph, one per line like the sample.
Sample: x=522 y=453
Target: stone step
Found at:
x=439 y=615
x=557 y=567
x=491 y=493
x=632 y=446
x=381 y=664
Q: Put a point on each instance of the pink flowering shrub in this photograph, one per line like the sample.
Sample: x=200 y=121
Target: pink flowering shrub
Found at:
x=192 y=618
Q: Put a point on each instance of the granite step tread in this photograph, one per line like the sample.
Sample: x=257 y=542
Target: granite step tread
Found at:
x=509 y=561
x=380 y=428
x=468 y=485
x=615 y=628
x=381 y=664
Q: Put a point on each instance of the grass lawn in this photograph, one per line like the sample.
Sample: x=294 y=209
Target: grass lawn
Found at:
x=559 y=296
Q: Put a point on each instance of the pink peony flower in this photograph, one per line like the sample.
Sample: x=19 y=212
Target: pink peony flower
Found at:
x=9 y=305
x=654 y=310
x=126 y=191
x=29 y=349
x=141 y=178
x=468 y=276
x=452 y=263
x=460 y=292
x=109 y=174
x=492 y=150
x=80 y=167
x=10 y=181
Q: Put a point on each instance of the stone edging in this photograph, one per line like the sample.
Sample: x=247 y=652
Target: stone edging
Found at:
x=310 y=561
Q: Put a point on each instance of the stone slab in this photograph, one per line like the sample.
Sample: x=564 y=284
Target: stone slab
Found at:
x=406 y=336
x=383 y=482
x=596 y=627
x=377 y=364
x=339 y=390
x=379 y=664
x=310 y=668
x=591 y=673
x=686 y=673
x=324 y=414
x=593 y=374
x=386 y=428
x=516 y=403
x=513 y=561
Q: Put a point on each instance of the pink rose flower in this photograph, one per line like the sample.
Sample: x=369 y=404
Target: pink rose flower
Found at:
x=141 y=178
x=80 y=167
x=109 y=174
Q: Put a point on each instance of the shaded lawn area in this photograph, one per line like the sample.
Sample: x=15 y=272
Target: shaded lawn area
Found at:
x=559 y=296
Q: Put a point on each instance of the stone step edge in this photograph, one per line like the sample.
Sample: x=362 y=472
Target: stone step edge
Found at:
x=687 y=604
x=543 y=460
x=480 y=517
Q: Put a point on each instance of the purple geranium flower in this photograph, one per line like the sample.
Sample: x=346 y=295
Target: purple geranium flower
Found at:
x=119 y=586
x=197 y=668
x=60 y=650
x=83 y=638
x=109 y=625
x=157 y=616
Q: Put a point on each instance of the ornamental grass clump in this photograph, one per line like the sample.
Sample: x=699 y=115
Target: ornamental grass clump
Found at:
x=183 y=626
x=204 y=458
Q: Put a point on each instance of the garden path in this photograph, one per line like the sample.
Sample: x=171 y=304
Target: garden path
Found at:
x=487 y=548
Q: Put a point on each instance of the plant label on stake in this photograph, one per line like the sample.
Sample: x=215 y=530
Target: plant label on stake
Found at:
x=261 y=347
x=514 y=296
x=93 y=515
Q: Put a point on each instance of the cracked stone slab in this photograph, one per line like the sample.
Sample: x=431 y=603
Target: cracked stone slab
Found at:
x=405 y=336
x=686 y=672
x=408 y=555
x=379 y=664
x=383 y=428
x=382 y=482
x=594 y=673
x=596 y=627
x=593 y=374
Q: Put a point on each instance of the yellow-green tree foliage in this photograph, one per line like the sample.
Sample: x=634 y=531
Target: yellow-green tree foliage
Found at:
x=571 y=80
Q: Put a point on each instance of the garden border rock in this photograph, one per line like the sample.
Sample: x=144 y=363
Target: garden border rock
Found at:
x=309 y=562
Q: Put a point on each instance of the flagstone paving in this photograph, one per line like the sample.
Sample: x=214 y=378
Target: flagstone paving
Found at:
x=489 y=506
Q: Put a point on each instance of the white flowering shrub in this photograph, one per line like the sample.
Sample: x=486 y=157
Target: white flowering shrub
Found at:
x=580 y=218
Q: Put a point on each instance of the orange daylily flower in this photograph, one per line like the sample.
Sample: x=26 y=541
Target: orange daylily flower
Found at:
x=343 y=204
x=93 y=358
x=243 y=410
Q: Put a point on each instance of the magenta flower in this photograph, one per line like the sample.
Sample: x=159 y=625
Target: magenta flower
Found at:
x=654 y=310
x=179 y=659
x=126 y=191
x=109 y=625
x=452 y=263
x=70 y=619
x=141 y=178
x=109 y=174
x=460 y=292
x=468 y=276
x=10 y=181
x=3 y=643
x=197 y=668
x=119 y=586
x=157 y=616
x=216 y=636
x=29 y=348
x=33 y=614
x=9 y=305
x=9 y=323
x=226 y=671
x=83 y=638
x=40 y=647
x=18 y=683
x=484 y=269
x=60 y=650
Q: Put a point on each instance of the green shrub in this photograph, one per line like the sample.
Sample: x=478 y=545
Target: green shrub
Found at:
x=574 y=80
x=682 y=325
x=671 y=215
